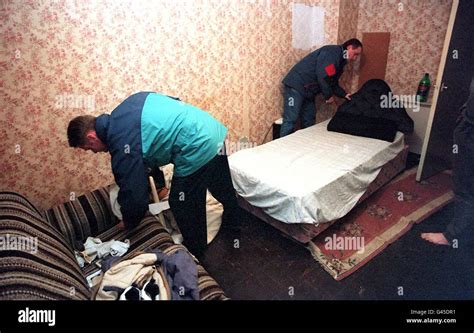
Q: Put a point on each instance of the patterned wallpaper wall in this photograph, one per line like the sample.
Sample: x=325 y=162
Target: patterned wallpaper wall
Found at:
x=347 y=29
x=417 y=28
x=62 y=58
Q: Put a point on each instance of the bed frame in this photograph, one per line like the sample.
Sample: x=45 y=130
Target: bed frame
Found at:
x=304 y=232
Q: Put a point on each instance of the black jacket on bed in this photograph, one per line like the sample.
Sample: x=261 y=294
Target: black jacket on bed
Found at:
x=369 y=127
x=364 y=116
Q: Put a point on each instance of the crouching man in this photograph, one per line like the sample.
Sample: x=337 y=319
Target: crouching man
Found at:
x=148 y=130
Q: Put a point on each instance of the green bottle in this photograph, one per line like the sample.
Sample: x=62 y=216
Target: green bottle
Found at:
x=423 y=88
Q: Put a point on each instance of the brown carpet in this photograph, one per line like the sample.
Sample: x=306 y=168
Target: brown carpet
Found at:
x=383 y=218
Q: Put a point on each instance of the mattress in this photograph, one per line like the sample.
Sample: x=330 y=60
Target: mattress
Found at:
x=311 y=176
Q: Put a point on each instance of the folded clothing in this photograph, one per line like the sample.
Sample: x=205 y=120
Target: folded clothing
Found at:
x=369 y=127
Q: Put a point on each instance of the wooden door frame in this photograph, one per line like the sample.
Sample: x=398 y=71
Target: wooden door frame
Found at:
x=439 y=83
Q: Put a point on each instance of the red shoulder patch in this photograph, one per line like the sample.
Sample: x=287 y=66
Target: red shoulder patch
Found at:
x=330 y=70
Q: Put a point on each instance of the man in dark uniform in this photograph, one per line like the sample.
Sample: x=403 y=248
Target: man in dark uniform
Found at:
x=318 y=72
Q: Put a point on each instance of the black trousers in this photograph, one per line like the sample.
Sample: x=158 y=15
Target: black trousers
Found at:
x=458 y=268
x=462 y=225
x=188 y=201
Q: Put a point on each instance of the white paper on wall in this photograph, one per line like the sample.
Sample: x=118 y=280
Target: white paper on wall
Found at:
x=307 y=26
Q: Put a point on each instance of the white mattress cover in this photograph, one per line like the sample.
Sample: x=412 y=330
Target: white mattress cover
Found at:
x=312 y=175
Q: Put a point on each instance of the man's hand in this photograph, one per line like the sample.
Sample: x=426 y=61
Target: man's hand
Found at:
x=121 y=225
x=348 y=96
x=330 y=100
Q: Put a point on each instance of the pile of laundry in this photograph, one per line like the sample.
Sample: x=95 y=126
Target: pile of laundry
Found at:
x=151 y=275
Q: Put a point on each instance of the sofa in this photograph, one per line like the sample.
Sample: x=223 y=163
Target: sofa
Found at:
x=49 y=270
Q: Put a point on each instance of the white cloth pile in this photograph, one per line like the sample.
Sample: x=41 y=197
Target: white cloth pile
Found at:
x=95 y=248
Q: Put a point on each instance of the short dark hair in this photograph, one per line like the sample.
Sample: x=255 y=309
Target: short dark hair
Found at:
x=78 y=128
x=354 y=42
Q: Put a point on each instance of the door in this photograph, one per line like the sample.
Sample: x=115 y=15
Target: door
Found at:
x=454 y=77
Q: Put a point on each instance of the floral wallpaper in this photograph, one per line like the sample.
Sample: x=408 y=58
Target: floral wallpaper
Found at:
x=63 y=58
x=417 y=28
x=347 y=29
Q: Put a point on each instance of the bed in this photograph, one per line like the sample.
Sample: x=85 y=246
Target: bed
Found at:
x=303 y=183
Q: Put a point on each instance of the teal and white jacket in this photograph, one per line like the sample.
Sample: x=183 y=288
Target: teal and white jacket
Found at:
x=148 y=130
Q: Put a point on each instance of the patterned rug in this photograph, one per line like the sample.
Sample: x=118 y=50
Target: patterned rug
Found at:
x=380 y=220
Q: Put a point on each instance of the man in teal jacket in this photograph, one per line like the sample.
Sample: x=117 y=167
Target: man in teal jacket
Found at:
x=148 y=130
x=318 y=72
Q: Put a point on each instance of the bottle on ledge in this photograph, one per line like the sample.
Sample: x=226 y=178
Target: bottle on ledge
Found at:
x=423 y=88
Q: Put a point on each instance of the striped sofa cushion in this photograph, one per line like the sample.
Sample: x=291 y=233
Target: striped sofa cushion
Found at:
x=87 y=215
x=148 y=235
x=35 y=260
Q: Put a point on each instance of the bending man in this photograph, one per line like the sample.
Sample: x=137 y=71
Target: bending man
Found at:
x=318 y=72
x=148 y=130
